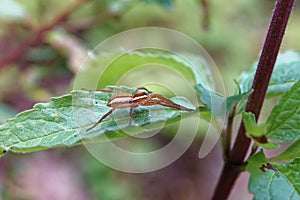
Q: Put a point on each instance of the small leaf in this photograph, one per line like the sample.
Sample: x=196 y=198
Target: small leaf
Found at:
x=286 y=72
x=218 y=104
x=212 y=100
x=292 y=152
x=255 y=161
x=256 y=132
x=64 y=121
x=252 y=128
x=283 y=122
x=234 y=100
x=280 y=181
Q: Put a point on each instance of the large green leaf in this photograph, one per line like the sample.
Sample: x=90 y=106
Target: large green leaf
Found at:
x=161 y=67
x=278 y=181
x=290 y=153
x=64 y=121
x=283 y=123
x=286 y=73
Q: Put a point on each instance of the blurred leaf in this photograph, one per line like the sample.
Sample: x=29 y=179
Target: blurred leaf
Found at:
x=283 y=122
x=42 y=12
x=117 y=6
x=10 y=9
x=6 y=112
x=9 y=80
x=167 y=4
x=273 y=181
x=108 y=69
x=234 y=100
x=92 y=170
x=286 y=73
x=70 y=45
x=64 y=121
x=292 y=152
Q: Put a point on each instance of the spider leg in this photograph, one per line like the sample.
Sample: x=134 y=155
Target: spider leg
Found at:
x=157 y=99
x=134 y=105
x=131 y=114
x=175 y=105
x=102 y=118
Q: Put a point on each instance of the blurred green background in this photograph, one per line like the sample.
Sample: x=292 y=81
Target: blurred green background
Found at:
x=42 y=44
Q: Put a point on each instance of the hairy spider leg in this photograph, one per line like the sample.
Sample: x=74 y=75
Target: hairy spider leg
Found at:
x=110 y=112
x=131 y=112
x=100 y=120
x=163 y=101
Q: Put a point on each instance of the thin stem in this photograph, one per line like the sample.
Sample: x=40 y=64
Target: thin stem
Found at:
x=260 y=84
x=227 y=178
x=228 y=135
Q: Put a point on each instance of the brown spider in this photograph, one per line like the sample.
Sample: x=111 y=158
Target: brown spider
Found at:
x=141 y=97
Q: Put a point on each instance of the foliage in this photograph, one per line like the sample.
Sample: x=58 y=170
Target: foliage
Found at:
x=66 y=119
x=43 y=44
x=273 y=181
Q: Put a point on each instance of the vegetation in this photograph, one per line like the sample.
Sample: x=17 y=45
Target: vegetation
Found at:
x=44 y=45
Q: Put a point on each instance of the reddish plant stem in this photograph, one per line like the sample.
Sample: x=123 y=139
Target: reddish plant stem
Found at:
x=263 y=75
x=255 y=101
x=37 y=37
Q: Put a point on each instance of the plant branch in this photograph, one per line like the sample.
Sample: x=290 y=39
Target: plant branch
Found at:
x=255 y=101
x=263 y=74
x=228 y=132
x=38 y=36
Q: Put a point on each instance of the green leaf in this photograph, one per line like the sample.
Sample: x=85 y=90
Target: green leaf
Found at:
x=213 y=101
x=256 y=132
x=281 y=181
x=64 y=121
x=292 y=152
x=252 y=128
x=109 y=69
x=234 y=100
x=286 y=73
x=283 y=122
x=218 y=104
x=255 y=162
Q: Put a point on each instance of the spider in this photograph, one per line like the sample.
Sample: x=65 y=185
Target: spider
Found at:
x=141 y=97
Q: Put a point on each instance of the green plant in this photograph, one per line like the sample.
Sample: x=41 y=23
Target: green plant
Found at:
x=52 y=124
